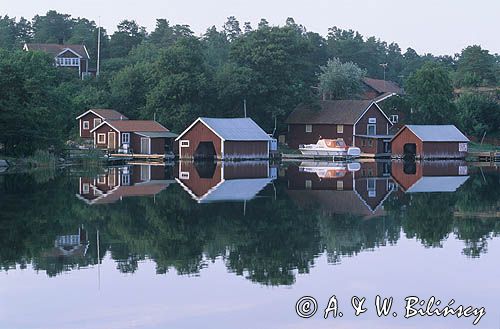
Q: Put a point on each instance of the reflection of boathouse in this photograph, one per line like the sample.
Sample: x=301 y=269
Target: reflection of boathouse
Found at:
x=224 y=181
x=126 y=181
x=430 y=176
x=70 y=245
x=341 y=188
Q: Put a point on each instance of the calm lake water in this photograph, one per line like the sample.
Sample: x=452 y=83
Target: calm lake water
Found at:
x=236 y=245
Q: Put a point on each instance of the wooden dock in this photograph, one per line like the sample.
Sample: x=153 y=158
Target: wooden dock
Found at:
x=135 y=156
x=491 y=156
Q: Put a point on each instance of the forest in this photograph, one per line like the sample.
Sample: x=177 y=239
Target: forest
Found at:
x=174 y=75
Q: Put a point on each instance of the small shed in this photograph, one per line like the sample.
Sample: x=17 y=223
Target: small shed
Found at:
x=224 y=138
x=429 y=142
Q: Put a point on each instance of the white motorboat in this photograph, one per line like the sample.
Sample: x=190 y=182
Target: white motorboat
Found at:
x=330 y=147
x=327 y=170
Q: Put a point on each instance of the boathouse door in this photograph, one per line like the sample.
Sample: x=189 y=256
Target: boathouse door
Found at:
x=111 y=140
x=145 y=146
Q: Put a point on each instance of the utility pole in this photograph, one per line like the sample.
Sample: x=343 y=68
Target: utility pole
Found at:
x=384 y=65
x=98 y=48
x=245 y=107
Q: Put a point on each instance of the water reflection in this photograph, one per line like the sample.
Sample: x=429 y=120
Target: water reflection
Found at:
x=287 y=222
x=209 y=182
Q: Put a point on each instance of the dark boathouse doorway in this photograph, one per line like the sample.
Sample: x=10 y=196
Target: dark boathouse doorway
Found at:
x=410 y=150
x=205 y=151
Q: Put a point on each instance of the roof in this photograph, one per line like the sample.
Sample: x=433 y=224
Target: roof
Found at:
x=154 y=134
x=55 y=49
x=436 y=133
x=330 y=112
x=437 y=184
x=383 y=86
x=105 y=114
x=233 y=129
x=134 y=125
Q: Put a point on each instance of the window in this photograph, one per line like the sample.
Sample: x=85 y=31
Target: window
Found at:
x=394 y=118
x=97 y=122
x=101 y=138
x=340 y=185
x=184 y=175
x=371 y=187
x=371 y=129
x=101 y=179
x=184 y=143
x=308 y=184
x=309 y=128
x=85 y=125
x=340 y=129
x=370 y=143
x=85 y=188
x=125 y=179
x=372 y=120
x=462 y=147
x=125 y=138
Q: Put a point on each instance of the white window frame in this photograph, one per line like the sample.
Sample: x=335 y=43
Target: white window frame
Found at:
x=372 y=190
x=308 y=184
x=184 y=175
x=368 y=129
x=125 y=138
x=101 y=179
x=184 y=143
x=85 y=125
x=340 y=129
x=394 y=118
x=462 y=147
x=309 y=128
x=372 y=120
x=340 y=185
x=101 y=138
x=125 y=179
x=97 y=121
x=85 y=188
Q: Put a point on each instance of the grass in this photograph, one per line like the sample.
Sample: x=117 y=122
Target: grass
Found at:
x=476 y=147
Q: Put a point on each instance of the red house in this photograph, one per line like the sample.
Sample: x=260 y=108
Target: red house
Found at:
x=75 y=57
x=379 y=89
x=224 y=138
x=360 y=123
x=430 y=142
x=94 y=117
x=136 y=136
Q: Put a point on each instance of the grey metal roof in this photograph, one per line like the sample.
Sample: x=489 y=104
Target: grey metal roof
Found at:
x=155 y=134
x=438 y=133
x=236 y=129
x=437 y=184
x=235 y=190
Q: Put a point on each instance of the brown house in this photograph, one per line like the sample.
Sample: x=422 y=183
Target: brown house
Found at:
x=135 y=136
x=74 y=57
x=360 y=123
x=429 y=142
x=94 y=117
x=379 y=89
x=228 y=138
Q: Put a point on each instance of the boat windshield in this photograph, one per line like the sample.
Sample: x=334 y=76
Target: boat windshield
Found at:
x=340 y=143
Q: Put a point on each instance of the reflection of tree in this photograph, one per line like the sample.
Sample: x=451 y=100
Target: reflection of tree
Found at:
x=347 y=235
x=267 y=242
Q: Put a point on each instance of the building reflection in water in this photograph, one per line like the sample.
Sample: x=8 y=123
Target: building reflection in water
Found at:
x=429 y=176
x=341 y=188
x=209 y=182
x=361 y=188
x=126 y=181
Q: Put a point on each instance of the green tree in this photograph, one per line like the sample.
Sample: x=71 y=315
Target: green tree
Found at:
x=52 y=28
x=431 y=95
x=478 y=114
x=128 y=35
x=7 y=32
x=340 y=80
x=475 y=67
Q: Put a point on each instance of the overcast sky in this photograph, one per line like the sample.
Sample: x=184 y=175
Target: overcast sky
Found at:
x=436 y=26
